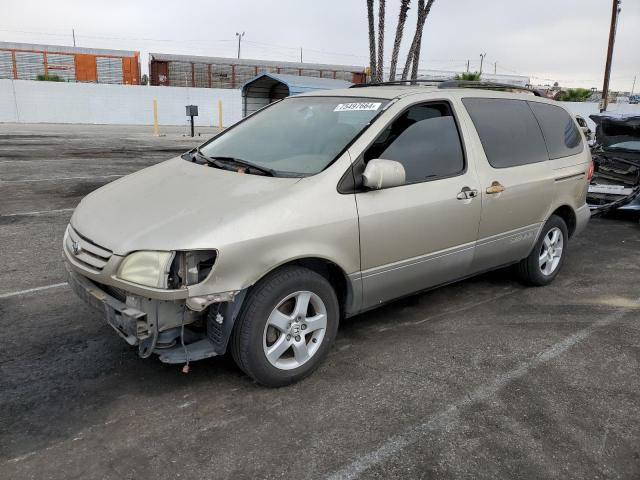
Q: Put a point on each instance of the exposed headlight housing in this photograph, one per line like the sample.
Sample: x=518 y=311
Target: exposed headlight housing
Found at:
x=149 y=268
x=191 y=267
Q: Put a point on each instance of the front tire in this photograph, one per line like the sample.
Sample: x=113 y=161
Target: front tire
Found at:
x=547 y=257
x=286 y=326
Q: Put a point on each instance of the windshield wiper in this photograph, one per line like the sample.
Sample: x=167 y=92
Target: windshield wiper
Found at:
x=197 y=156
x=244 y=163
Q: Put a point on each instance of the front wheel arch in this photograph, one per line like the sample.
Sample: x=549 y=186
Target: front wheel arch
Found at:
x=331 y=271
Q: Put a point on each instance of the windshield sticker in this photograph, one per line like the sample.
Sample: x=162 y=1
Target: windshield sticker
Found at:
x=356 y=107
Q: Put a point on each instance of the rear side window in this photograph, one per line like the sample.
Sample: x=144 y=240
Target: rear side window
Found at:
x=425 y=140
x=509 y=132
x=560 y=132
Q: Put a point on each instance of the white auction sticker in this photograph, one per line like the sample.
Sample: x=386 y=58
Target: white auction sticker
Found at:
x=359 y=106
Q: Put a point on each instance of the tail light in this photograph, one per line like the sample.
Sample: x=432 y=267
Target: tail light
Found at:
x=590 y=171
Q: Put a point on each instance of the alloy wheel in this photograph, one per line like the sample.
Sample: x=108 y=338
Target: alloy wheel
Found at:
x=551 y=251
x=295 y=330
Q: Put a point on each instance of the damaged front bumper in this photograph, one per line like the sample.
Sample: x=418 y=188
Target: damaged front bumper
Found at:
x=167 y=328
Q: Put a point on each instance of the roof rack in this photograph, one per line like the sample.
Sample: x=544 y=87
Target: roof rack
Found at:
x=451 y=84
x=414 y=81
x=485 y=86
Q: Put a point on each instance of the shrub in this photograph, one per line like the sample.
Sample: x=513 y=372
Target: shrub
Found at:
x=468 y=76
x=50 y=78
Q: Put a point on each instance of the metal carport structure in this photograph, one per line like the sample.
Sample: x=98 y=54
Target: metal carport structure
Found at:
x=269 y=87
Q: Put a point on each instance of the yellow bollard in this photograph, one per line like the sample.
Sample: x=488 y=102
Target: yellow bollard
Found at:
x=156 y=131
x=220 y=115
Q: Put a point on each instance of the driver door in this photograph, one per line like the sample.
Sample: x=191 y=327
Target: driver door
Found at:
x=420 y=234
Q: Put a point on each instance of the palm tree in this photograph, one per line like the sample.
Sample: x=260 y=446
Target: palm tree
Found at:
x=412 y=48
x=380 y=73
x=372 y=41
x=402 y=17
x=413 y=56
x=416 y=52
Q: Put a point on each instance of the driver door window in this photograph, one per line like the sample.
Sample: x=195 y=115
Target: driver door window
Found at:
x=425 y=140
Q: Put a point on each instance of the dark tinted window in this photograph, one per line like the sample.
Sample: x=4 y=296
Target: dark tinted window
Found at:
x=425 y=140
x=560 y=132
x=509 y=132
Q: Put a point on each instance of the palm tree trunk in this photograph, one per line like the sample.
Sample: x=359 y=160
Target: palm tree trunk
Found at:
x=412 y=48
x=372 y=41
x=416 y=52
x=380 y=74
x=404 y=8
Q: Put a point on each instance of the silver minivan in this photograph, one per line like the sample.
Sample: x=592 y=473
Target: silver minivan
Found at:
x=322 y=206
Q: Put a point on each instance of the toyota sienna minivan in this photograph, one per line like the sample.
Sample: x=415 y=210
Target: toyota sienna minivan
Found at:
x=322 y=206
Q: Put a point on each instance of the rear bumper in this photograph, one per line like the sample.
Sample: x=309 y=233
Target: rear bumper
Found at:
x=583 y=214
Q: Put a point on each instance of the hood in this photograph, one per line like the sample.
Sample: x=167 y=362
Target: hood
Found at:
x=174 y=205
x=614 y=129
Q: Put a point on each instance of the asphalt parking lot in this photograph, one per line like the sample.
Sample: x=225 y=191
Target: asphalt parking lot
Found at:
x=482 y=379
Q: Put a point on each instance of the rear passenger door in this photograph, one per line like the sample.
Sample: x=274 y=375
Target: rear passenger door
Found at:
x=515 y=177
x=422 y=233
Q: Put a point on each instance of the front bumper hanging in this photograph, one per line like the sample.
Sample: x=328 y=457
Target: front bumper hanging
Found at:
x=141 y=329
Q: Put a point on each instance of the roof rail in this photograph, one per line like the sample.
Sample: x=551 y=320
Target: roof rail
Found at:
x=414 y=81
x=485 y=86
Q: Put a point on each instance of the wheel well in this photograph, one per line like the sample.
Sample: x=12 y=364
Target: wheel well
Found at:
x=332 y=272
x=568 y=215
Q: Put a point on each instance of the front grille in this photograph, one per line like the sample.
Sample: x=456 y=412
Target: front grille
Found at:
x=113 y=291
x=86 y=252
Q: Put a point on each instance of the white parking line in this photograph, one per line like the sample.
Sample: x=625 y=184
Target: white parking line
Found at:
x=40 y=212
x=32 y=180
x=32 y=290
x=396 y=444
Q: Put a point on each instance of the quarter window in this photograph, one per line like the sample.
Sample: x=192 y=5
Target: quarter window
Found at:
x=560 y=132
x=425 y=140
x=509 y=132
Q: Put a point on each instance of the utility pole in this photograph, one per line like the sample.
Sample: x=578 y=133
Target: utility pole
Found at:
x=73 y=34
x=300 y=54
x=633 y=87
x=607 y=70
x=482 y=55
x=239 y=35
x=467 y=66
x=495 y=68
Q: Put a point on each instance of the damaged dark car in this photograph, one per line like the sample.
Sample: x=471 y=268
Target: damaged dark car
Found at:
x=616 y=159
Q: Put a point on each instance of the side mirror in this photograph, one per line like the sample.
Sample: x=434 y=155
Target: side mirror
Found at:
x=380 y=173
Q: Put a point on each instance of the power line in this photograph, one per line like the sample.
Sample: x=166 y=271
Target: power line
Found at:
x=105 y=37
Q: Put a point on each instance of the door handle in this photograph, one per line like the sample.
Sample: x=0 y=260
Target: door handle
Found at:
x=496 y=187
x=467 y=193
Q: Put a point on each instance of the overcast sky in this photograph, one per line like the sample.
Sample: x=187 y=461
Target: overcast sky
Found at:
x=549 y=40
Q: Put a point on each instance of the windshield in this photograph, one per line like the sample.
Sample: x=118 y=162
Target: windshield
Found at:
x=298 y=136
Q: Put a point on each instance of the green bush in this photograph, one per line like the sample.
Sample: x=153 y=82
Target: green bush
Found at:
x=574 y=95
x=50 y=78
x=468 y=76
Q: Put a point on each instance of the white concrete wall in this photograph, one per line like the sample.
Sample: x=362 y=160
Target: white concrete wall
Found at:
x=589 y=108
x=25 y=101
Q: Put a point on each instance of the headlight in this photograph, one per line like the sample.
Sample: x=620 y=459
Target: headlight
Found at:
x=148 y=268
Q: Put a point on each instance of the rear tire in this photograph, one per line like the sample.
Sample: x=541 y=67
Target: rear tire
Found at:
x=286 y=327
x=547 y=257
